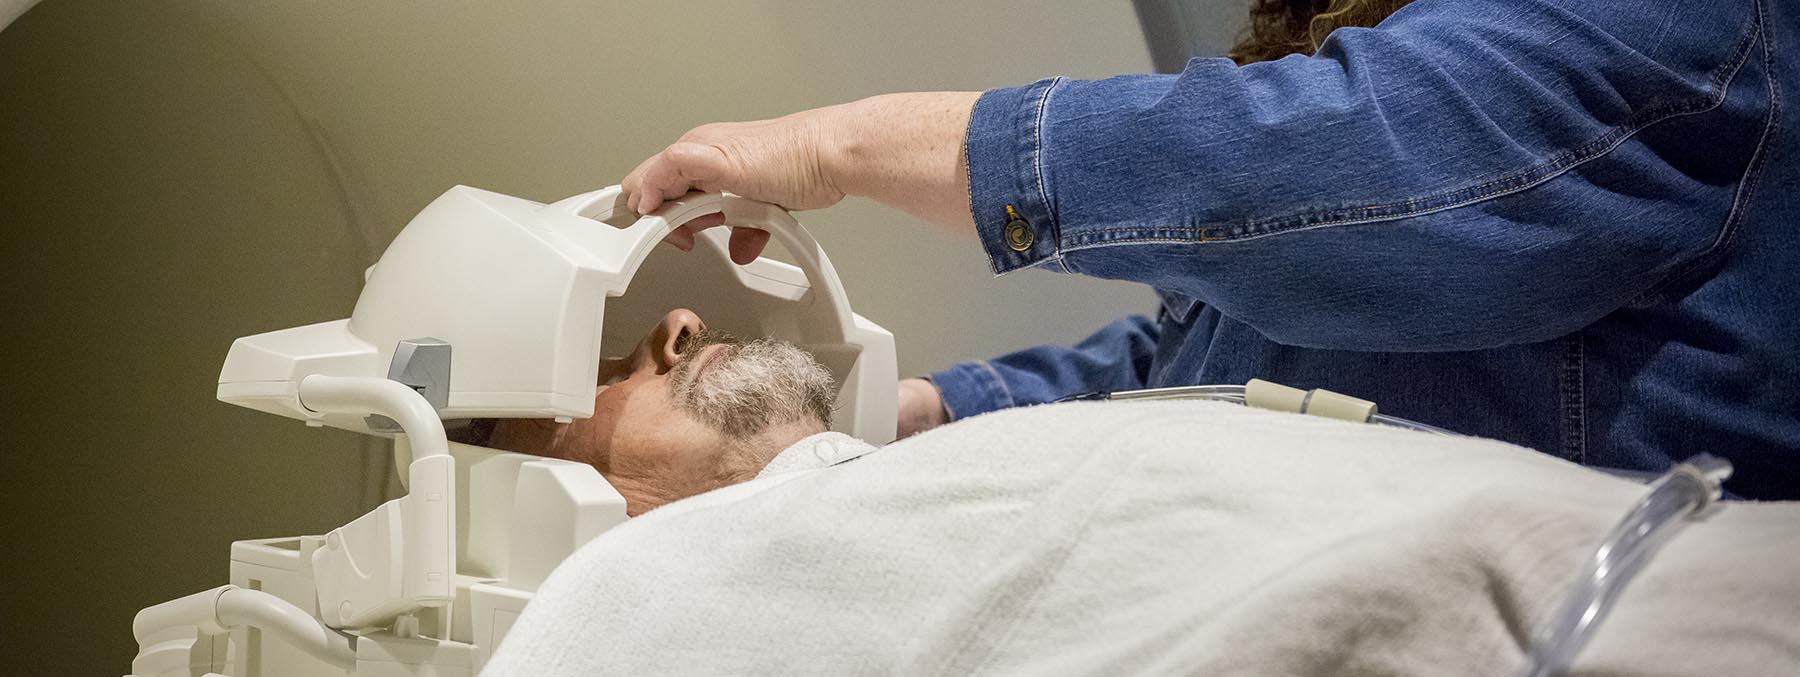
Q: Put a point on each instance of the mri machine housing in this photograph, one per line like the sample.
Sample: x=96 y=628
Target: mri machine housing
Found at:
x=485 y=306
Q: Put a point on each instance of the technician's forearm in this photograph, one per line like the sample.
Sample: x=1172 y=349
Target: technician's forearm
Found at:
x=904 y=150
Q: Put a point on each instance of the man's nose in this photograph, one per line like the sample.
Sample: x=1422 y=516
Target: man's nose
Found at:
x=662 y=346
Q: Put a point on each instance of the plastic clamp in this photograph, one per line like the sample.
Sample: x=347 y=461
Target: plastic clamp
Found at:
x=1317 y=402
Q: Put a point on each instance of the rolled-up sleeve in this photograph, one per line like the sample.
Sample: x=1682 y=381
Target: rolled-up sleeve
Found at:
x=1467 y=175
x=1006 y=181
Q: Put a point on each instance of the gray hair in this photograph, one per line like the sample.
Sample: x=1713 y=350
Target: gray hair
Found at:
x=753 y=386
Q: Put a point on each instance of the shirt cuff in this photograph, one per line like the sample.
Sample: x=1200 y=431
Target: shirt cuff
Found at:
x=971 y=389
x=1007 y=196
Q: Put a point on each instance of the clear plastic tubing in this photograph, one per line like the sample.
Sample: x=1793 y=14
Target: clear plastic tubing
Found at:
x=1235 y=393
x=1398 y=422
x=1678 y=495
x=1682 y=493
x=1222 y=393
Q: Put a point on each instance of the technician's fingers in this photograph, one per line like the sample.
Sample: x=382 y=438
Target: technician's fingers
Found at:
x=683 y=236
x=704 y=222
x=683 y=166
x=632 y=185
x=641 y=183
x=747 y=244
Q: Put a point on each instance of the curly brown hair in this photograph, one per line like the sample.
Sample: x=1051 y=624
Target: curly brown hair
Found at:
x=1282 y=27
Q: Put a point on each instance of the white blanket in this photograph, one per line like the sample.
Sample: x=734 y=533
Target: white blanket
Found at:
x=1158 y=538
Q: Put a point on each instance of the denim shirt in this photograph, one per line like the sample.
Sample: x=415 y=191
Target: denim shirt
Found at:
x=1566 y=224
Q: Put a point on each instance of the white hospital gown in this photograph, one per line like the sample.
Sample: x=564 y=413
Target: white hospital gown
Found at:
x=1154 y=538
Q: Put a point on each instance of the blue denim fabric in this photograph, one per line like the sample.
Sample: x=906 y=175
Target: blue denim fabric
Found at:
x=1564 y=224
x=1118 y=357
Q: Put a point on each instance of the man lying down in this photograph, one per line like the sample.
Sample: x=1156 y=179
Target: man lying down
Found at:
x=1101 y=538
x=688 y=411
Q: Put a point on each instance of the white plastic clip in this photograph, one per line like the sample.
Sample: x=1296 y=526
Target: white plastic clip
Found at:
x=1318 y=402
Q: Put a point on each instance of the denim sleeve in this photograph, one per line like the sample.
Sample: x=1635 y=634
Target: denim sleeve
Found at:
x=1115 y=358
x=1466 y=175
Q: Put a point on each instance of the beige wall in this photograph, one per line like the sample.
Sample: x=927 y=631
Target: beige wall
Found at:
x=570 y=96
x=157 y=199
x=176 y=174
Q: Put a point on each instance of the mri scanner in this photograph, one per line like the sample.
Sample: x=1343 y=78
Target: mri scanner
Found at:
x=485 y=306
x=488 y=306
x=429 y=583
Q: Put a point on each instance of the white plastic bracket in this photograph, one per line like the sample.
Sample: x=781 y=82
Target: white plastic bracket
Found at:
x=398 y=558
x=1318 y=402
x=213 y=613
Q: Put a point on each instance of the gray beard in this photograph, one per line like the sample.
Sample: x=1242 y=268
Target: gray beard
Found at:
x=751 y=386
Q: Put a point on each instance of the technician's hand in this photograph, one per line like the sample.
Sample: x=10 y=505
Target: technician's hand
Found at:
x=773 y=160
x=904 y=150
x=921 y=408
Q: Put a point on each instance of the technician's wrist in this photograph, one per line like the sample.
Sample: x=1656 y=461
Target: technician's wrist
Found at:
x=849 y=144
x=896 y=147
x=822 y=134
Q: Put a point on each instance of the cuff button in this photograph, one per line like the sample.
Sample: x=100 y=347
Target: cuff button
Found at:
x=1019 y=235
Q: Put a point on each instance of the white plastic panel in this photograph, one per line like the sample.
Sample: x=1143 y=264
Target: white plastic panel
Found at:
x=521 y=291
